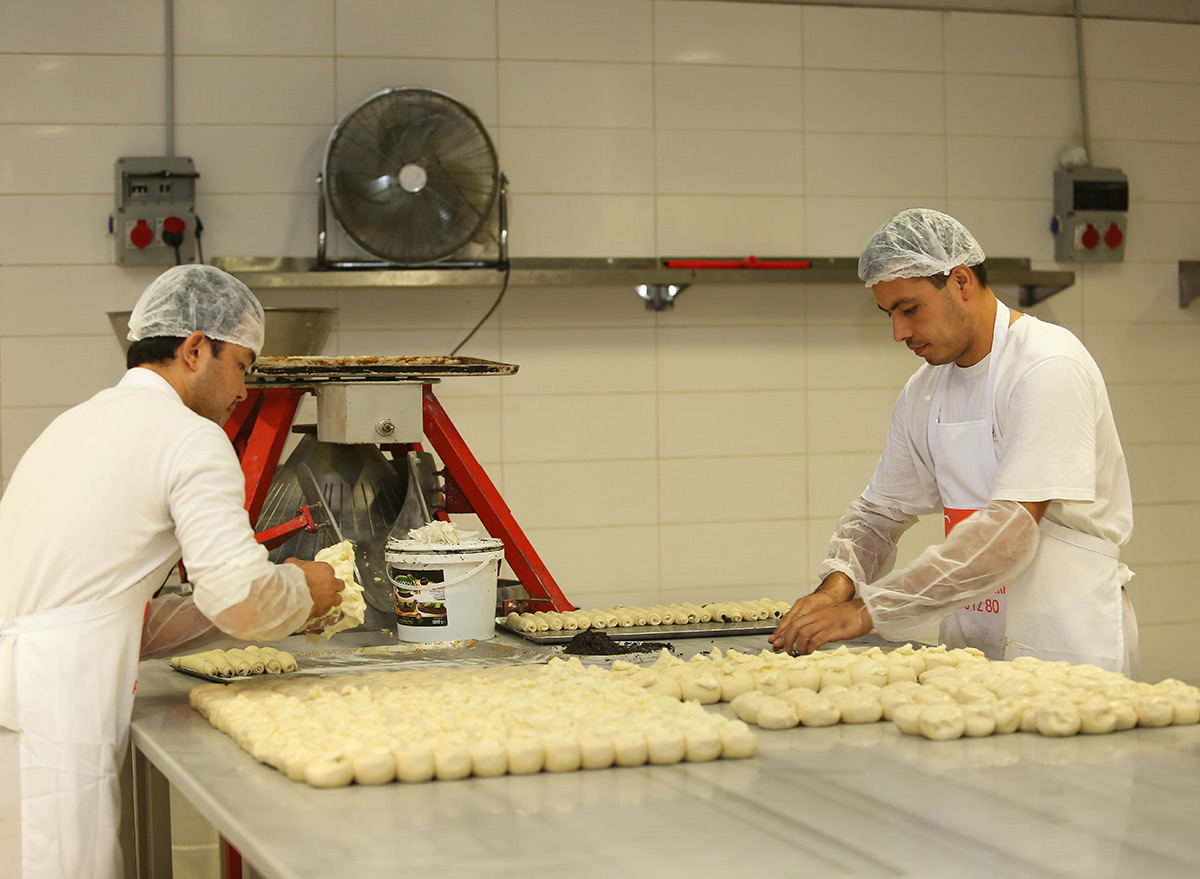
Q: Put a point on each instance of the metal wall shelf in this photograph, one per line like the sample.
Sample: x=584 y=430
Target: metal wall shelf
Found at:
x=300 y=272
x=1189 y=282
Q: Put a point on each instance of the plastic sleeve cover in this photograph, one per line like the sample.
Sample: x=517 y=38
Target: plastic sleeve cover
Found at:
x=983 y=552
x=864 y=545
x=277 y=605
x=174 y=622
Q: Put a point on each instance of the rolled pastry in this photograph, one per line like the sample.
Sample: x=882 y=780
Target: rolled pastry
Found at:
x=274 y=666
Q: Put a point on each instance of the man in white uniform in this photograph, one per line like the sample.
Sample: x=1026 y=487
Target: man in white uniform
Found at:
x=1007 y=430
x=96 y=514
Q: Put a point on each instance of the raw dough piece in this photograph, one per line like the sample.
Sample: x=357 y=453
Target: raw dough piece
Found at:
x=451 y=761
x=771 y=681
x=802 y=673
x=701 y=744
x=562 y=753
x=255 y=664
x=630 y=748
x=1058 y=718
x=858 y=708
x=1097 y=716
x=414 y=763
x=525 y=756
x=374 y=766
x=889 y=700
x=835 y=673
x=775 y=713
x=665 y=746
x=738 y=741
x=870 y=672
x=489 y=758
x=1187 y=707
x=351 y=612
x=699 y=687
x=734 y=684
x=1154 y=711
x=746 y=706
x=596 y=751
x=818 y=711
x=796 y=695
x=980 y=719
x=907 y=718
x=1008 y=716
x=942 y=722
x=337 y=771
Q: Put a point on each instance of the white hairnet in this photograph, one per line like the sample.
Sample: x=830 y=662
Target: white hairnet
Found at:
x=917 y=243
x=186 y=299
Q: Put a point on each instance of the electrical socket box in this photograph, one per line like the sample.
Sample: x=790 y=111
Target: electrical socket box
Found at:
x=1091 y=208
x=155 y=195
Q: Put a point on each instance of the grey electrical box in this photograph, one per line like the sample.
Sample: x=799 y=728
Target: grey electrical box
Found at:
x=1091 y=207
x=154 y=222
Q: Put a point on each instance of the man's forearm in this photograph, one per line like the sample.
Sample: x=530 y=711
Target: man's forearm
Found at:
x=838 y=586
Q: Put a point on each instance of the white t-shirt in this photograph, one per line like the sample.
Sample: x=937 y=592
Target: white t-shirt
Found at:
x=1054 y=432
x=116 y=490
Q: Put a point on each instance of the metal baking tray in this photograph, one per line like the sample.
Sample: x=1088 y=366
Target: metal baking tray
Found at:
x=652 y=633
x=371 y=367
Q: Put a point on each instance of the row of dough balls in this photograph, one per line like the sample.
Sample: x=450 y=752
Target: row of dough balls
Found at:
x=446 y=724
x=933 y=692
x=657 y=615
x=249 y=660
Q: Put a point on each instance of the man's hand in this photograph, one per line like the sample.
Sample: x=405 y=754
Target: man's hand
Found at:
x=835 y=588
x=323 y=586
x=808 y=626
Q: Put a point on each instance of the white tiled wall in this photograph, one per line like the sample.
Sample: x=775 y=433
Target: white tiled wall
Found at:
x=700 y=452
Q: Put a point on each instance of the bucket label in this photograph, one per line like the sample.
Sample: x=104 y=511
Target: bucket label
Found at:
x=420 y=598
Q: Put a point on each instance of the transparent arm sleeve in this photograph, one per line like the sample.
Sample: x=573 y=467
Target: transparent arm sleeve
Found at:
x=174 y=625
x=864 y=545
x=982 y=553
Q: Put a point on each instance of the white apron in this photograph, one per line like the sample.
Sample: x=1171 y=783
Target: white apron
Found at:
x=1069 y=603
x=75 y=671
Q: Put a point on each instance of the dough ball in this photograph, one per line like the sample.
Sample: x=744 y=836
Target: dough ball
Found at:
x=1007 y=713
x=745 y=706
x=889 y=700
x=489 y=758
x=775 y=713
x=980 y=719
x=835 y=673
x=738 y=741
x=796 y=695
x=451 y=761
x=562 y=753
x=833 y=691
x=907 y=718
x=1126 y=712
x=803 y=672
x=974 y=693
x=771 y=681
x=336 y=771
x=701 y=744
x=414 y=763
x=1187 y=707
x=869 y=671
x=1097 y=716
x=942 y=722
x=701 y=687
x=1060 y=717
x=526 y=756
x=899 y=671
x=1154 y=711
x=859 y=708
x=818 y=711
x=932 y=696
x=596 y=752
x=734 y=684
x=630 y=748
x=665 y=746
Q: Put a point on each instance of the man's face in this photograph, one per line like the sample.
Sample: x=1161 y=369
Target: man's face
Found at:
x=220 y=383
x=933 y=323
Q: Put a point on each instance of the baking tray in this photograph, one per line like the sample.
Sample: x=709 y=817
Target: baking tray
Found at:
x=367 y=367
x=652 y=633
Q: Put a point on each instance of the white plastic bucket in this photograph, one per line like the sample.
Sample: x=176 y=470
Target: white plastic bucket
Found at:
x=444 y=592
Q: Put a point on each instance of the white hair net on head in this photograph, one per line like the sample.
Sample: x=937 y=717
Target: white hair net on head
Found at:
x=917 y=243
x=186 y=299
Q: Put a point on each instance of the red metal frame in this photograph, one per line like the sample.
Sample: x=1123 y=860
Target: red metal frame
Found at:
x=259 y=426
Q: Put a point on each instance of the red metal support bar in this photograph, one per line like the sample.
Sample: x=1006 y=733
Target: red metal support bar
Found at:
x=284 y=531
x=261 y=435
x=487 y=504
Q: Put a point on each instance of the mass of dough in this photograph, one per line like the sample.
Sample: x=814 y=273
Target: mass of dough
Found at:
x=237 y=662
x=447 y=724
x=983 y=698
x=656 y=615
x=353 y=609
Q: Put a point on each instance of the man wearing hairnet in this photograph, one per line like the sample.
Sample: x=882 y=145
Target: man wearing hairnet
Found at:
x=97 y=512
x=1007 y=429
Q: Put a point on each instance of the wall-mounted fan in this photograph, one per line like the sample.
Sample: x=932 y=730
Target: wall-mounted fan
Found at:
x=412 y=178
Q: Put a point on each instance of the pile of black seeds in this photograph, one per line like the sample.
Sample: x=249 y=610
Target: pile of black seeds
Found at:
x=591 y=642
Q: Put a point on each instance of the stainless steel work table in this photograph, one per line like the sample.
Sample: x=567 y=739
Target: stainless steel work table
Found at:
x=858 y=801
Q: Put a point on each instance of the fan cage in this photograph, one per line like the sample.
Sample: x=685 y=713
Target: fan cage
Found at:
x=367 y=176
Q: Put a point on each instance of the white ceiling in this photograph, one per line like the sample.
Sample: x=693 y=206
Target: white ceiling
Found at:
x=1138 y=10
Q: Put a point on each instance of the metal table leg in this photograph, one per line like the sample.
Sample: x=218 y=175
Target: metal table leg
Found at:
x=152 y=819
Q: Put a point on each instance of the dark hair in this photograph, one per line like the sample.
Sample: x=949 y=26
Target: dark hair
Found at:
x=980 y=271
x=161 y=349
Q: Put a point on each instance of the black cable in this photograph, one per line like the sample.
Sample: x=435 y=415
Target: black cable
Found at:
x=199 y=249
x=483 y=320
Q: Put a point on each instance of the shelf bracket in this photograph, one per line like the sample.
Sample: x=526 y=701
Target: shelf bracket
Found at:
x=660 y=297
x=1032 y=294
x=1189 y=282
